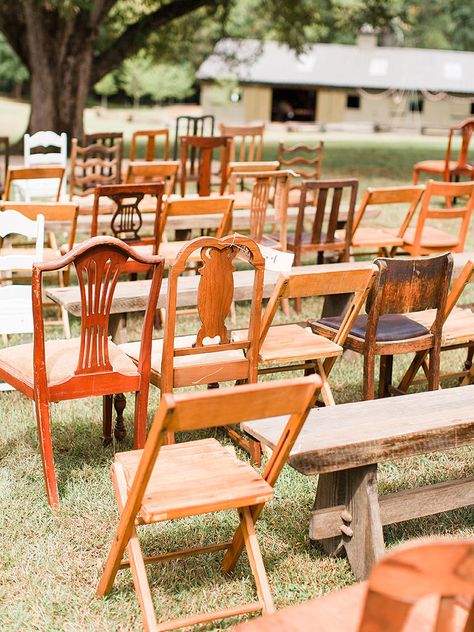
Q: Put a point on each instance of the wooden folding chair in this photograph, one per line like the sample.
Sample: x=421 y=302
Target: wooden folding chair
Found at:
x=142 y=171
x=166 y=482
x=42 y=172
x=151 y=137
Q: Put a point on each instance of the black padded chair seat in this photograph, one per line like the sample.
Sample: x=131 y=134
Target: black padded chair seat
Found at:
x=391 y=327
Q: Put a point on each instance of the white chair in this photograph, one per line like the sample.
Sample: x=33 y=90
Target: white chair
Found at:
x=16 y=313
x=43 y=188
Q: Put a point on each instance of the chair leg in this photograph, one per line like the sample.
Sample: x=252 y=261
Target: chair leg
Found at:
x=141 y=407
x=369 y=370
x=107 y=403
x=46 y=451
x=468 y=364
x=326 y=392
x=412 y=370
x=433 y=375
x=256 y=562
x=385 y=375
x=65 y=319
x=416 y=176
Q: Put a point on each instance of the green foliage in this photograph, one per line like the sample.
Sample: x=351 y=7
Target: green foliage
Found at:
x=170 y=81
x=12 y=71
x=107 y=86
x=136 y=77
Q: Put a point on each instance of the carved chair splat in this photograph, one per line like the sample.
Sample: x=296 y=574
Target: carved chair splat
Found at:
x=203 y=148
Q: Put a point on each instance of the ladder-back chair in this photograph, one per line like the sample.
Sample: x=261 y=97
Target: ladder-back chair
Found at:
x=402 y=286
x=249 y=137
x=90 y=365
x=424 y=239
x=151 y=137
x=305 y=160
x=92 y=165
x=167 y=482
x=196 y=161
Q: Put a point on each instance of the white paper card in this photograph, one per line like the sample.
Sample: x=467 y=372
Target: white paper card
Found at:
x=277 y=260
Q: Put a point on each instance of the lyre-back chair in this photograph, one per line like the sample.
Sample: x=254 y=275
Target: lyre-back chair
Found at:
x=196 y=161
x=422 y=586
x=92 y=165
x=167 y=482
x=382 y=239
x=141 y=172
x=249 y=136
x=192 y=126
x=448 y=168
x=322 y=237
x=151 y=136
x=46 y=173
x=90 y=365
x=127 y=221
x=210 y=356
x=402 y=286
x=425 y=239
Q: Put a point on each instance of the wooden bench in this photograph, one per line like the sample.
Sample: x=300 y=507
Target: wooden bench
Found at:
x=344 y=443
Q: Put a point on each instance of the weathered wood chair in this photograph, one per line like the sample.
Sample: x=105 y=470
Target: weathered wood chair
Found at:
x=424 y=239
x=192 y=126
x=109 y=139
x=424 y=586
x=23 y=175
x=94 y=164
x=401 y=287
x=376 y=237
x=292 y=347
x=210 y=356
x=91 y=365
x=249 y=137
x=196 y=161
x=305 y=160
x=243 y=193
x=448 y=168
x=166 y=482
x=5 y=158
x=151 y=136
x=126 y=223
x=140 y=171
x=322 y=237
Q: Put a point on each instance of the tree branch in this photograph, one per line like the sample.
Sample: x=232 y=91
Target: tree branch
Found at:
x=133 y=39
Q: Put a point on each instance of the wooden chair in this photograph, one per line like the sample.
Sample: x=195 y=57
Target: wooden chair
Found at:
x=305 y=160
x=166 y=482
x=192 y=360
x=187 y=208
x=250 y=140
x=24 y=175
x=292 y=347
x=322 y=237
x=140 y=171
x=94 y=164
x=35 y=153
x=243 y=192
x=401 y=287
x=109 y=139
x=127 y=221
x=203 y=148
x=5 y=157
x=448 y=168
x=192 y=126
x=383 y=240
x=90 y=365
x=424 y=586
x=151 y=137
x=424 y=239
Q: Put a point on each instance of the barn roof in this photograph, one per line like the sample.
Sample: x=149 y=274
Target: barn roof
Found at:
x=340 y=65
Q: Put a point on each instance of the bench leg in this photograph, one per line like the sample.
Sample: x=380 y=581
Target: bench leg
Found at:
x=331 y=492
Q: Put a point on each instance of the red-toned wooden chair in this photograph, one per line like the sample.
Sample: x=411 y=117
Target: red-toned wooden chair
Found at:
x=151 y=137
x=168 y=482
x=196 y=161
x=91 y=365
x=420 y=587
x=448 y=168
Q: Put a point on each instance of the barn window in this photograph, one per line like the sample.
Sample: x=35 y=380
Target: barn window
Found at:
x=353 y=102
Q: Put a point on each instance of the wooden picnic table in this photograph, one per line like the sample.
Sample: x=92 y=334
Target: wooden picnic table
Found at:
x=343 y=445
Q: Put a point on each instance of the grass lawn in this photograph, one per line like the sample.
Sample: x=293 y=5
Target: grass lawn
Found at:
x=50 y=563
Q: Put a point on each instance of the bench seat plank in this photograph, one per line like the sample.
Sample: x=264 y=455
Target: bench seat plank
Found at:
x=363 y=433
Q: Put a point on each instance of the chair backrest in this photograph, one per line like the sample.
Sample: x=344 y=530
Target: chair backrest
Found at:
x=323 y=231
x=92 y=165
x=98 y=263
x=192 y=126
x=5 y=157
x=305 y=160
x=64 y=214
x=204 y=148
x=33 y=173
x=250 y=139
x=44 y=140
x=444 y=568
x=464 y=162
x=14 y=223
x=151 y=137
x=127 y=221
x=109 y=139
x=141 y=171
x=446 y=191
x=383 y=196
x=212 y=205
x=247 y=168
x=214 y=300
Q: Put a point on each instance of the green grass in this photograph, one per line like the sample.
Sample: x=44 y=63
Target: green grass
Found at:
x=50 y=562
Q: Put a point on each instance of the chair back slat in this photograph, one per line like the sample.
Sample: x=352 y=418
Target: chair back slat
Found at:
x=151 y=137
x=143 y=172
x=93 y=165
x=42 y=172
x=213 y=205
x=192 y=126
x=250 y=137
x=203 y=147
x=305 y=160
